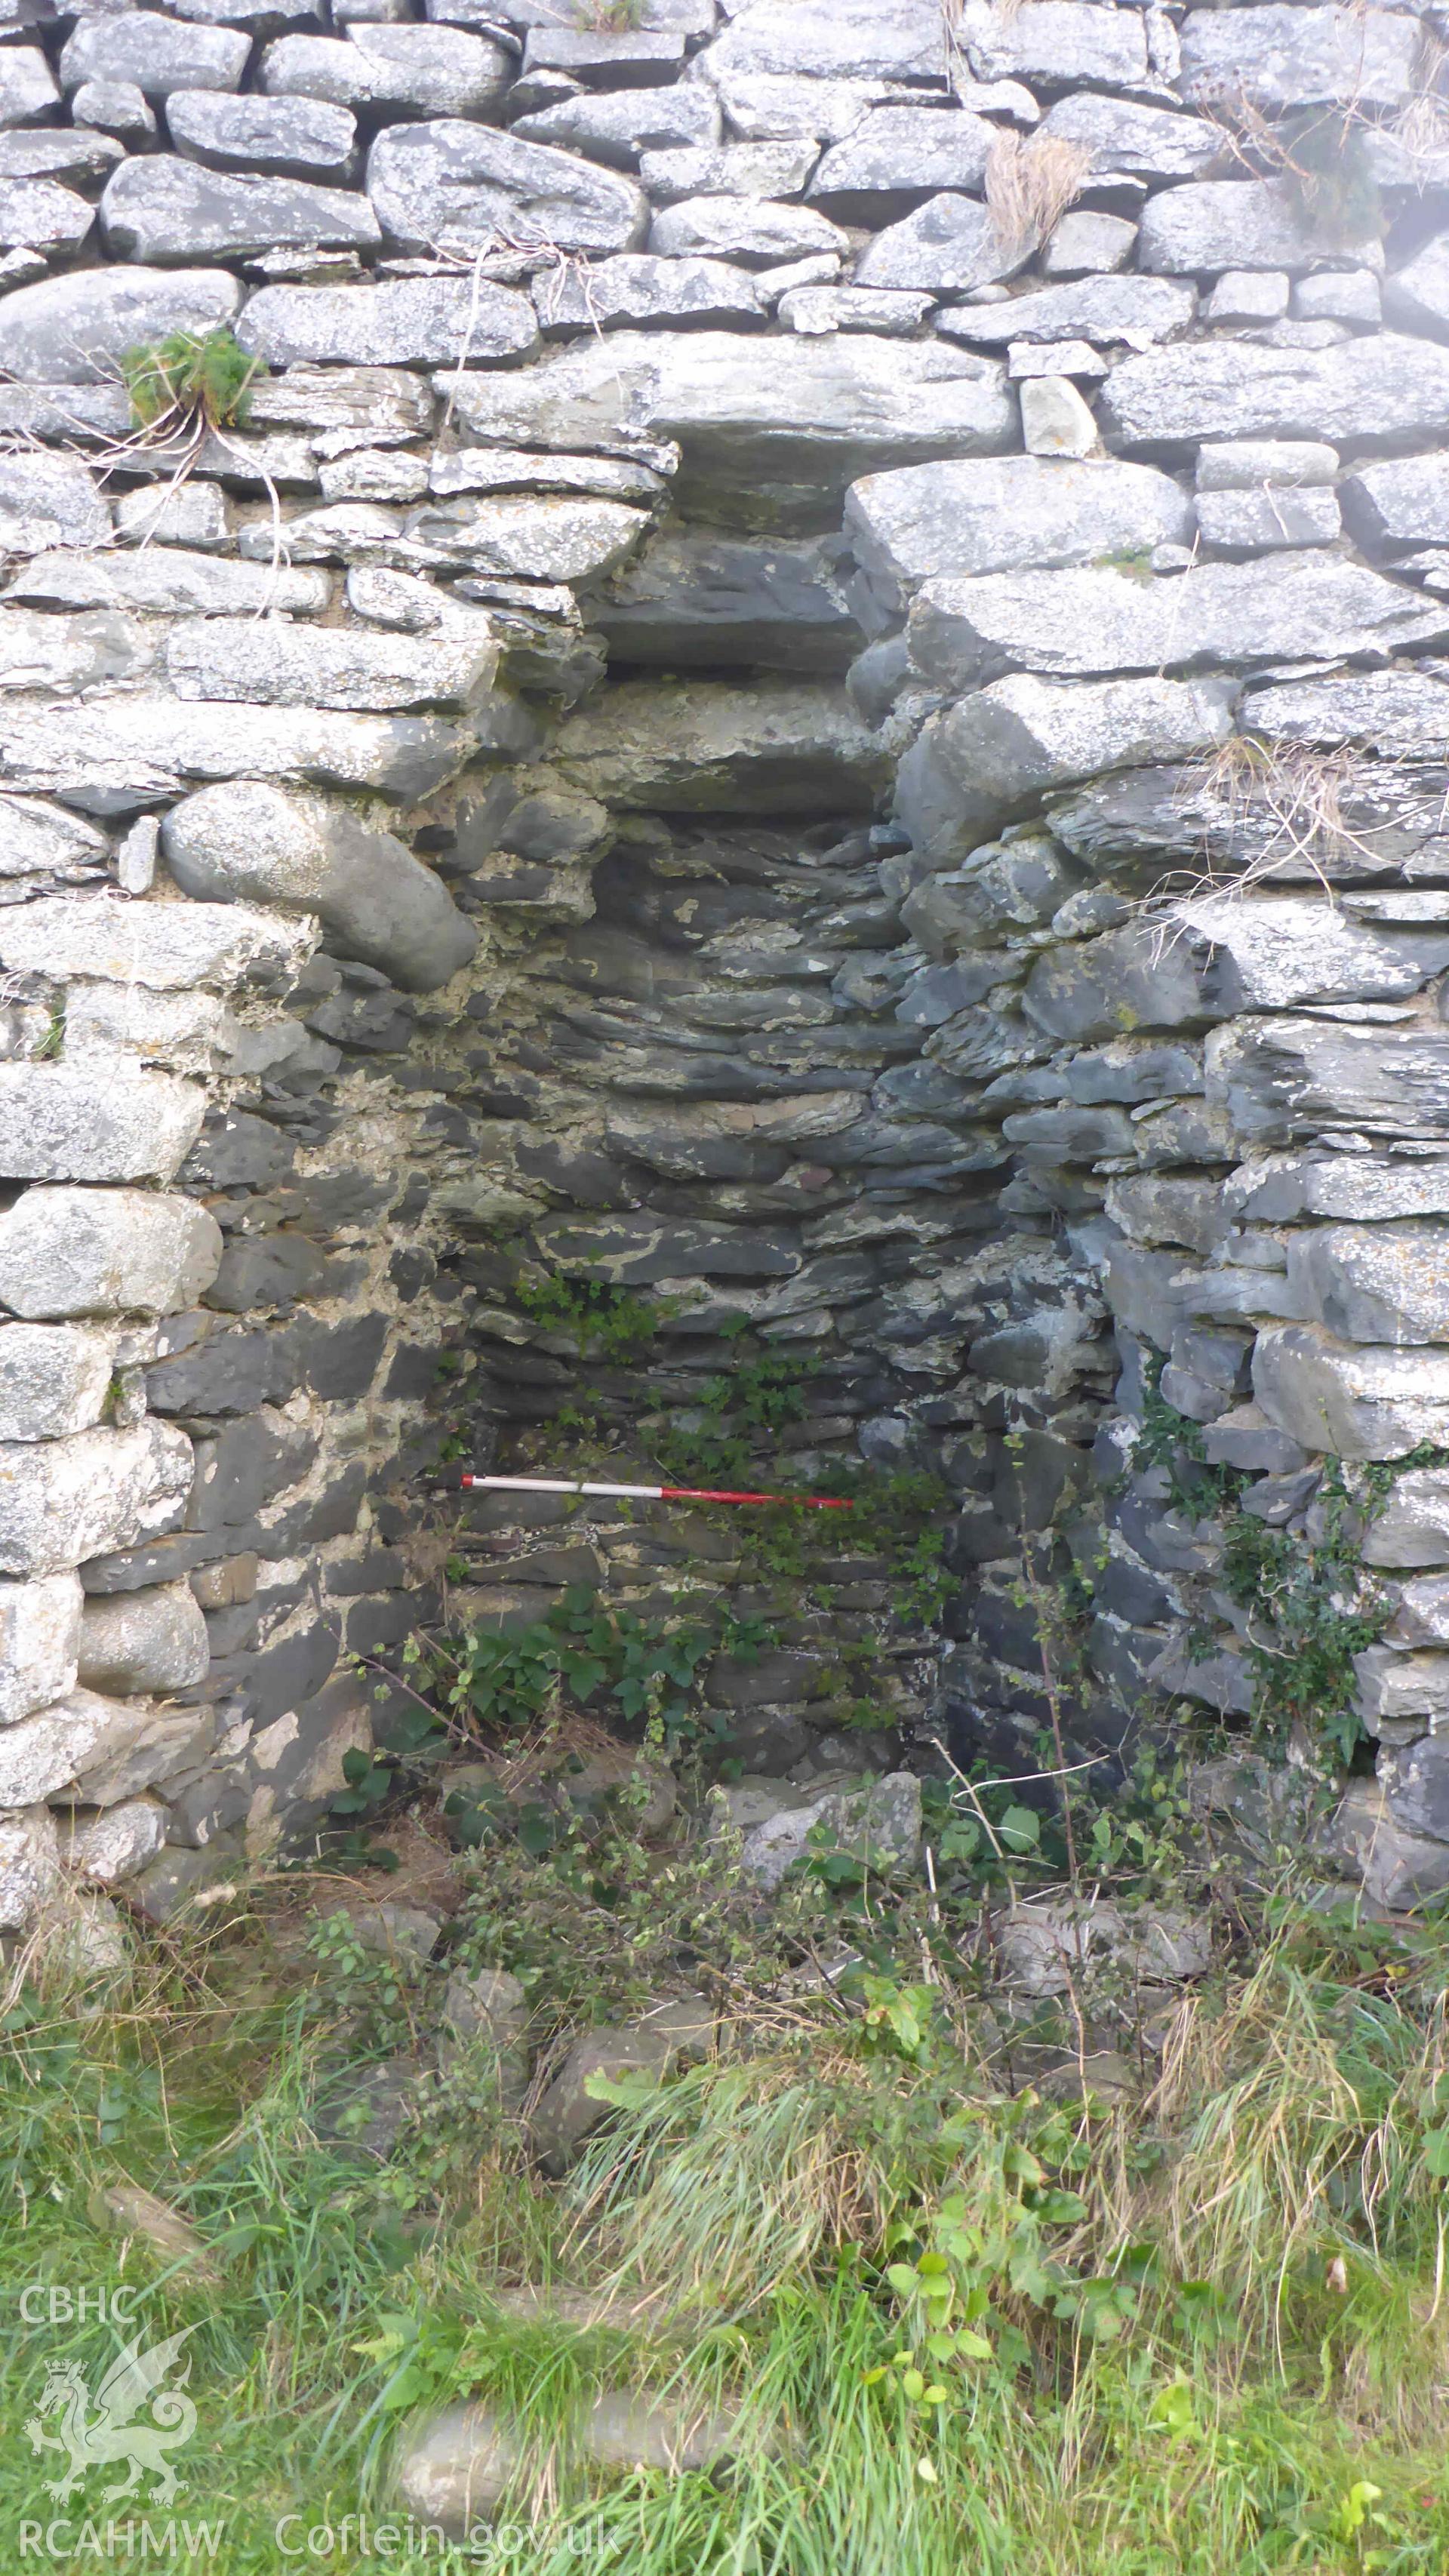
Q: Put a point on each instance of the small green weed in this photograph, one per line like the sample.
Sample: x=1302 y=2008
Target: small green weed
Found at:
x=191 y=376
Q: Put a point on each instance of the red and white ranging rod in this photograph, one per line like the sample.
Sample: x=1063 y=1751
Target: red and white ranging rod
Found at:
x=650 y=1493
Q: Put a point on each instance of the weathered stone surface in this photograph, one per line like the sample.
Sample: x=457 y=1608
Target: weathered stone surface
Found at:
x=460 y=2469
x=174 y=212
x=638 y=289
x=996 y=752
x=26 y=86
x=896 y=156
x=556 y=537
x=73 y=330
x=880 y=1825
x=768 y=429
x=1105 y=310
x=172 y=582
x=1370 y=1403
x=1267 y=522
x=143 y=1641
x=114 y=1842
x=628 y=127
x=852 y=308
x=67 y=1252
x=1284 y=1077
x=726 y=170
x=964 y=632
x=1403 y=713
x=39 y=1643
x=1402 y=502
x=62 y=1125
x=161 y=945
x=29 y=1867
x=120 y=1747
x=53 y=501
x=1369 y=391
x=699 y=747
x=396 y=322
x=1418 y=294
x=568 y=2113
x=71 y=154
x=272 y=664
x=54 y=1378
x=1146 y=142
x=280 y=137
x=64 y=1500
x=1381 y=1283
x=1230 y=223
x=1273 y=953
x=832 y=40
x=695 y=598
x=948 y=246
x=994 y=514
x=156 y=54
x=37 y=215
x=376 y=900
x=1127 y=977
x=1411 y=1526
x=440 y=185
x=1291 y=57
x=121 y=752
x=752 y=229
x=403 y=70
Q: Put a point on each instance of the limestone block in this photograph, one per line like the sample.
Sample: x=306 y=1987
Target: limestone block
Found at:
x=72 y=330
x=1375 y=389
x=39 y=1643
x=1290 y=57
x=63 y=1124
x=1282 y=1077
x=1354 y=1403
x=95 y=1251
x=1250 y=523
x=165 y=946
x=454 y=185
x=640 y=289
x=381 y=904
x=396 y=322
x=723 y=170
x=29 y=1867
x=995 y=514
x=157 y=58
x=751 y=229
x=174 y=212
x=1418 y=294
x=110 y=1844
x=268 y=663
x=699 y=747
x=54 y=1378
x=26 y=87
x=1380 y=1283
x=949 y=246
x=154 y=1640
x=169 y=583
x=294 y=138
x=115 y=752
x=1403 y=713
x=1411 y=1525
x=897 y=155
x=1099 y=310
x=62 y=1501
x=554 y=538
x=831 y=40
x=629 y=128
x=766 y=427
x=1232 y=223
x=1022 y=737
x=402 y=70
x=99 y=1751
x=1401 y=501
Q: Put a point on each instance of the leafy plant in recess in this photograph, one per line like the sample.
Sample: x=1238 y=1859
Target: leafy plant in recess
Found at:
x=190 y=378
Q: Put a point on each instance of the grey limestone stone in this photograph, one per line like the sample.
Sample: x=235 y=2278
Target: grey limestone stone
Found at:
x=947 y=246
x=118 y=109
x=297 y=138
x=752 y=229
x=881 y=1824
x=1060 y=41
x=898 y=155
x=117 y=753
x=37 y=215
x=374 y=898
x=832 y=40
x=194 y=515
x=638 y=289
x=175 y=212
x=39 y=1643
x=1411 y=1526
x=170 y=582
x=1417 y=295
x=994 y=753
x=699 y=746
x=157 y=54
x=999 y=514
x=554 y=538
x=73 y=330
x=109 y=1844
x=50 y=501
x=164 y=946
x=852 y=308
x=60 y=1124
x=27 y=87
x=29 y=1867
x=1353 y=1403
x=273 y=664
x=711 y=169
x=1106 y=310
x=62 y=1501
x=1284 y=57
x=1402 y=501
x=54 y=1378
x=153 y=1640
x=456 y=184
x=690 y=597
x=1145 y=142
x=1372 y=390
x=402 y=70
x=67 y=1252
x=1269 y=521
x=1374 y=1283
x=1214 y=224
x=632 y=128
x=404 y=321
x=71 y=154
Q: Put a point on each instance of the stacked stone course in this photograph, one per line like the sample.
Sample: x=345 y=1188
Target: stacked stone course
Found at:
x=651 y=753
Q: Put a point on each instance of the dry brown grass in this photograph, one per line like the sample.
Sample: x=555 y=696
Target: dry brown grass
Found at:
x=1031 y=180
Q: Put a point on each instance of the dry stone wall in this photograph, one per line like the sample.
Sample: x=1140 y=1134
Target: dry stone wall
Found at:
x=815 y=686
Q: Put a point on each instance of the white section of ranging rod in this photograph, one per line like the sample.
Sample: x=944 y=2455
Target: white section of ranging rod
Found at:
x=651 y=1493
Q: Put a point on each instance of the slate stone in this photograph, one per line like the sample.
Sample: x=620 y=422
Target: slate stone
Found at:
x=241 y=1468
x=1403 y=501
x=115 y=754
x=278 y=137
x=72 y=330
x=1215 y=224
x=1292 y=57
x=751 y=229
x=169 y=582
x=403 y=321
x=223 y=1373
x=611 y=57
x=1060 y=41
x=448 y=184
x=1382 y=1283
x=1145 y=142
x=376 y=900
x=1360 y=1404
x=897 y=156
x=341 y=1360
x=948 y=246
x=701 y=747
x=173 y=211
x=237 y=1151
x=639 y=1251
x=695 y=599
x=997 y=514
x=1104 y=310
x=399 y=70
x=265 y=1270
x=726 y=170
x=771 y=432
x=1403 y=713
x=832 y=40
x=638 y=289
x=71 y=154
x=1286 y=1077
x=290 y=1673
x=619 y=127
x=157 y=54
x=1368 y=391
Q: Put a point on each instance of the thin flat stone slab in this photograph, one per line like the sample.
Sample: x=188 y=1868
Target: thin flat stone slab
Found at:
x=1295 y=57
x=1370 y=393
x=833 y=40
x=627 y=127
x=74 y=330
x=896 y=156
x=442 y=184
x=1350 y=1403
x=154 y=54
x=637 y=290
x=400 y=70
x=1402 y=714
x=949 y=245
x=1070 y=42
x=699 y=747
x=295 y=138
x=1001 y=514
x=111 y=755
x=173 y=212
x=1144 y=142
x=168 y=581
x=395 y=322
x=1102 y=310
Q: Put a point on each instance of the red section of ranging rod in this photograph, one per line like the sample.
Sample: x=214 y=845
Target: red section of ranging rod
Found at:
x=650 y=1493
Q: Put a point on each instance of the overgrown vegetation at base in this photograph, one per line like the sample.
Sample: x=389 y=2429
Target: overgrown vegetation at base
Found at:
x=969 y=2320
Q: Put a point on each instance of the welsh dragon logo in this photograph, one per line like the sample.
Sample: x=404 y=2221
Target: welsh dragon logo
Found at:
x=97 y=2432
